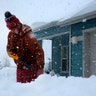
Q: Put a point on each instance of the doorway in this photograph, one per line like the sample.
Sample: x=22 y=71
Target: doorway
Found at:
x=47 y=47
x=90 y=53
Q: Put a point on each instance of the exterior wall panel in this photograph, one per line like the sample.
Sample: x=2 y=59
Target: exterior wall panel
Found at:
x=61 y=40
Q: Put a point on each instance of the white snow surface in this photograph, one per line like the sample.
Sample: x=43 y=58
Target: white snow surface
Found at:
x=46 y=85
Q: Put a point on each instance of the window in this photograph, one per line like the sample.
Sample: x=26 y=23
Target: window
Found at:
x=65 y=58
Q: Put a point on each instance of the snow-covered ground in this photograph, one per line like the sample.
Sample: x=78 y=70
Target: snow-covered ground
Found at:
x=46 y=85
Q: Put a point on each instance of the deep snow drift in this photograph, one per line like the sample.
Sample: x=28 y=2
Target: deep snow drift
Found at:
x=46 y=85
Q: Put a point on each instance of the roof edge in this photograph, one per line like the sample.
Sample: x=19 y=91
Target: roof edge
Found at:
x=68 y=21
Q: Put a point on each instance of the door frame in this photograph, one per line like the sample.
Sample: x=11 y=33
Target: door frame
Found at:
x=86 y=31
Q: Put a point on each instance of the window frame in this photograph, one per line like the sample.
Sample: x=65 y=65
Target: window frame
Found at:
x=65 y=58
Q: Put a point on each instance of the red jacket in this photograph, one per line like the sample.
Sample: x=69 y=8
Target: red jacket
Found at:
x=26 y=46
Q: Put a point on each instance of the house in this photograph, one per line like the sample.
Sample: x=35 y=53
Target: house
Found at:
x=73 y=43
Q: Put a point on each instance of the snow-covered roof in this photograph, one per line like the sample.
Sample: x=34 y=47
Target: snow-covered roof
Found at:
x=89 y=8
x=89 y=11
x=53 y=23
x=38 y=24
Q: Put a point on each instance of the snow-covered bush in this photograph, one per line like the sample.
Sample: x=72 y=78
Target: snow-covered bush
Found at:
x=48 y=68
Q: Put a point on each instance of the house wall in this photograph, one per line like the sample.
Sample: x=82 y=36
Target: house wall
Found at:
x=58 y=40
x=77 y=49
x=51 y=31
x=60 y=37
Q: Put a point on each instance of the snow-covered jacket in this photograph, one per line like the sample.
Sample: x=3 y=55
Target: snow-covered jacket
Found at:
x=26 y=46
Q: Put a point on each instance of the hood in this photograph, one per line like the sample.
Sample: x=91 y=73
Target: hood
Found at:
x=24 y=30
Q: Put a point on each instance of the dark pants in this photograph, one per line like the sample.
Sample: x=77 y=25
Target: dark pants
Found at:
x=25 y=75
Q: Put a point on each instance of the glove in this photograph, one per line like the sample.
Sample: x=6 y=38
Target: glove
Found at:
x=12 y=55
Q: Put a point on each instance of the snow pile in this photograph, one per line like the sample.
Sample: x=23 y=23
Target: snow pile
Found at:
x=46 y=85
